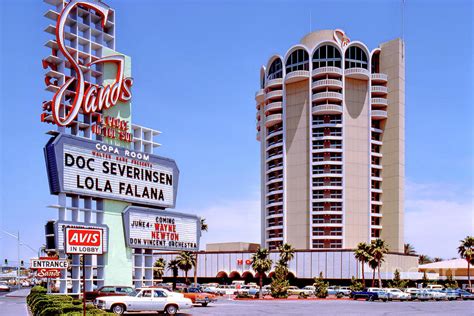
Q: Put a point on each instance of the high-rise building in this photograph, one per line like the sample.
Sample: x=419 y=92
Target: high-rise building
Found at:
x=331 y=122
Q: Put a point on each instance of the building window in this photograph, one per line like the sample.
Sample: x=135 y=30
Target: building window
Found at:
x=298 y=60
x=276 y=70
x=356 y=58
x=327 y=56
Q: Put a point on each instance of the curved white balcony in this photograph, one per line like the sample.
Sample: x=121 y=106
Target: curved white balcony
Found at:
x=376 y=214
x=327 y=96
x=327 y=109
x=258 y=125
x=257 y=115
x=376 y=190
x=275 y=145
x=278 y=156
x=376 y=142
x=272 y=107
x=275 y=227
x=376 y=202
x=326 y=237
x=328 y=187
x=376 y=166
x=313 y=212
x=273 y=83
x=379 y=101
x=329 y=137
x=326 y=225
x=272 y=204
x=323 y=83
x=328 y=200
x=273 y=95
x=274 y=169
x=326 y=71
x=379 y=114
x=276 y=180
x=376 y=130
x=273 y=119
x=327 y=150
x=327 y=175
x=258 y=137
x=379 y=90
x=357 y=73
x=379 y=179
x=273 y=192
x=297 y=75
x=379 y=78
x=259 y=95
x=274 y=216
x=274 y=239
x=274 y=134
x=376 y=226
x=326 y=162
x=319 y=125
x=376 y=154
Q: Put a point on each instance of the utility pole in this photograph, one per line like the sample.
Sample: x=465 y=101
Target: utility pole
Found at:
x=18 y=262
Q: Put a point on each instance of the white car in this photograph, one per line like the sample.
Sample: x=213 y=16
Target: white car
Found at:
x=4 y=287
x=397 y=294
x=293 y=290
x=226 y=290
x=437 y=294
x=146 y=300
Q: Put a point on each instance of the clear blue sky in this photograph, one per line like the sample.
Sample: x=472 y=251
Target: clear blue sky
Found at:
x=196 y=68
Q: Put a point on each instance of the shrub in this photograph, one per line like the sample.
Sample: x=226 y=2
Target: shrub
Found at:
x=321 y=286
x=356 y=285
x=280 y=284
x=397 y=281
x=339 y=295
x=302 y=296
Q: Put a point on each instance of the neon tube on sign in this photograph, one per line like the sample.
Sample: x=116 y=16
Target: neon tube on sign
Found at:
x=93 y=98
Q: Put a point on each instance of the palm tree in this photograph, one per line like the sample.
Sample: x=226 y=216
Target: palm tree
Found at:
x=466 y=251
x=408 y=249
x=204 y=227
x=261 y=264
x=287 y=253
x=362 y=254
x=437 y=259
x=373 y=264
x=422 y=259
x=186 y=261
x=378 y=249
x=173 y=266
x=159 y=268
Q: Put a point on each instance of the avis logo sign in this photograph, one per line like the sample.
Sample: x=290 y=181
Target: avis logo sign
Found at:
x=86 y=241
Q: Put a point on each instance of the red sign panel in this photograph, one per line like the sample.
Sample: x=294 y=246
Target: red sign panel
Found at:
x=87 y=241
x=48 y=267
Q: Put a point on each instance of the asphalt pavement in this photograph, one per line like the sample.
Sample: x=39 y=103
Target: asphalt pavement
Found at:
x=14 y=303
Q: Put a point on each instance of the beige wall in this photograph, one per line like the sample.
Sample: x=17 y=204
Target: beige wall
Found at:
x=356 y=162
x=297 y=164
x=392 y=63
x=232 y=246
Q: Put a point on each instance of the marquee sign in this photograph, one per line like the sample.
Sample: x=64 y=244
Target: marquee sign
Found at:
x=88 y=97
x=161 y=230
x=83 y=166
x=62 y=226
x=48 y=267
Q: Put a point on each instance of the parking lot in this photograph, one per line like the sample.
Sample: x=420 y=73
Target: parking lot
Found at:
x=332 y=307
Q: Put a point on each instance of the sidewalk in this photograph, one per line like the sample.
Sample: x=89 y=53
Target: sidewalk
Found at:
x=19 y=293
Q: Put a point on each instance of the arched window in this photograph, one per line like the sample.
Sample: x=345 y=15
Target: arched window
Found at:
x=327 y=56
x=376 y=62
x=276 y=70
x=298 y=60
x=356 y=58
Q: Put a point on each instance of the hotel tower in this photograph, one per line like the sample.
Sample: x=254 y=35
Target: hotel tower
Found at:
x=331 y=123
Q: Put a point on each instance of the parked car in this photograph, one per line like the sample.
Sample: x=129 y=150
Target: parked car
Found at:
x=110 y=291
x=369 y=295
x=211 y=290
x=451 y=294
x=293 y=290
x=226 y=290
x=334 y=290
x=167 y=286
x=197 y=296
x=397 y=294
x=267 y=289
x=437 y=294
x=310 y=288
x=383 y=295
x=465 y=295
x=146 y=300
x=419 y=294
x=4 y=287
x=434 y=287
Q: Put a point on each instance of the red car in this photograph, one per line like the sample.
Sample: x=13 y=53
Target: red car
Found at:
x=109 y=290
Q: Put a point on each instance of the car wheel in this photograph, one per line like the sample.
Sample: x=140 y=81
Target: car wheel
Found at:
x=171 y=309
x=204 y=304
x=118 y=309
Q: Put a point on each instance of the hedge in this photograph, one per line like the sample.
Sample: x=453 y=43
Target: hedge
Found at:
x=42 y=304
